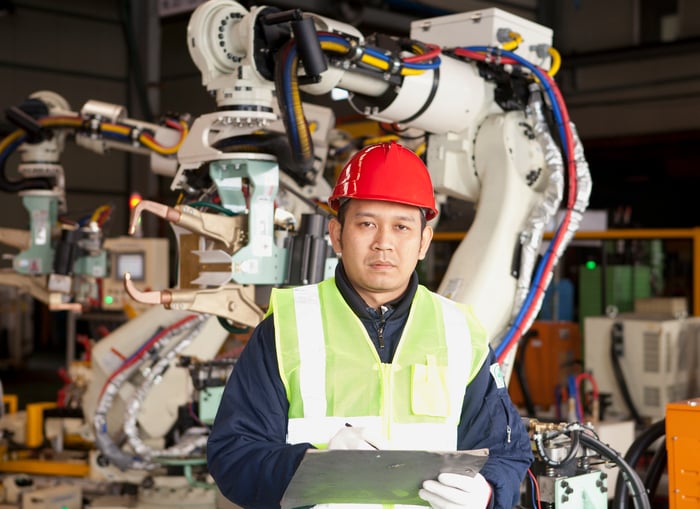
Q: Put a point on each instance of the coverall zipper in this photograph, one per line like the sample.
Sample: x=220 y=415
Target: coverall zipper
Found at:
x=380 y=327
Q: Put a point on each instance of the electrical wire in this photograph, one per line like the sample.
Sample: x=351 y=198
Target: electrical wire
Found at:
x=544 y=270
x=639 y=495
x=120 y=132
x=536 y=500
x=434 y=52
x=15 y=139
x=576 y=396
x=594 y=393
x=513 y=43
x=292 y=110
x=519 y=367
x=556 y=61
x=211 y=205
x=633 y=455
x=378 y=60
x=125 y=133
x=143 y=349
x=101 y=214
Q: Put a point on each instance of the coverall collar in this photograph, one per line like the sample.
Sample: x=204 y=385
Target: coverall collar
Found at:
x=399 y=306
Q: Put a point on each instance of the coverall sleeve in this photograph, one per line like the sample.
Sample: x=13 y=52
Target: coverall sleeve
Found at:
x=247 y=453
x=490 y=420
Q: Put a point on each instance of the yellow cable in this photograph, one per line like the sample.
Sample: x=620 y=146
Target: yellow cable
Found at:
x=10 y=139
x=375 y=62
x=149 y=144
x=61 y=121
x=515 y=40
x=98 y=212
x=302 y=126
x=160 y=149
x=335 y=47
x=114 y=128
x=421 y=149
x=369 y=59
x=44 y=122
x=556 y=62
x=380 y=139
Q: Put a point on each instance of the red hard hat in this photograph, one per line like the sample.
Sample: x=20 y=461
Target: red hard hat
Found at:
x=386 y=172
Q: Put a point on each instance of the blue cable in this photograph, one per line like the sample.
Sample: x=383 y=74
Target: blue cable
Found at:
x=573 y=393
x=288 y=94
x=423 y=67
x=117 y=136
x=377 y=54
x=12 y=147
x=562 y=133
x=537 y=72
x=534 y=490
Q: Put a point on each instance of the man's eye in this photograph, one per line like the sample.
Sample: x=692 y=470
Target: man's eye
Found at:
x=402 y=227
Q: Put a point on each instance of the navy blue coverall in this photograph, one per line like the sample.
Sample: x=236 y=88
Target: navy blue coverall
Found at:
x=251 y=462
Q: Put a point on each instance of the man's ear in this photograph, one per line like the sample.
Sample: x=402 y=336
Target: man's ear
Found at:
x=425 y=239
x=335 y=230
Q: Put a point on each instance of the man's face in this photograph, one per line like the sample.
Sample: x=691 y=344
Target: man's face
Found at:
x=380 y=244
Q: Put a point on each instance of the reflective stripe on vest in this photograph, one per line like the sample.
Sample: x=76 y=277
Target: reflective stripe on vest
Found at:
x=332 y=373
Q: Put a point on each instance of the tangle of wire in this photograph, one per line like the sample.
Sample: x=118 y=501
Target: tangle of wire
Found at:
x=119 y=132
x=495 y=55
x=425 y=57
x=536 y=498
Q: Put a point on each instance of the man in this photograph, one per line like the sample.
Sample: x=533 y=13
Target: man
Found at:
x=406 y=367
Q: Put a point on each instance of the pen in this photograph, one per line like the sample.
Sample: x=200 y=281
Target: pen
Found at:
x=348 y=425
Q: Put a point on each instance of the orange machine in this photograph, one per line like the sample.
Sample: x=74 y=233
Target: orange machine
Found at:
x=683 y=444
x=551 y=354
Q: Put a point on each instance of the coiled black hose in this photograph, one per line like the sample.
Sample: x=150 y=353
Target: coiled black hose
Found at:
x=634 y=453
x=639 y=494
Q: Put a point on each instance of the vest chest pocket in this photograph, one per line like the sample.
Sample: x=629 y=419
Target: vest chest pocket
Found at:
x=429 y=392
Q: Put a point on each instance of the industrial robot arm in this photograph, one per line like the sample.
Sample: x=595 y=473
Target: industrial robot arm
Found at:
x=480 y=86
x=60 y=259
x=485 y=101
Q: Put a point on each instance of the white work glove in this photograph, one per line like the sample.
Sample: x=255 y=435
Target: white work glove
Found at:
x=454 y=491
x=356 y=438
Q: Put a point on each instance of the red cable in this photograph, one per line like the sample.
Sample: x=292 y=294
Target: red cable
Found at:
x=586 y=376
x=537 y=488
x=145 y=349
x=571 y=200
x=434 y=52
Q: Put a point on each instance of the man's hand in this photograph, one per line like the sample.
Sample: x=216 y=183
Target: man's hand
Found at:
x=356 y=438
x=454 y=491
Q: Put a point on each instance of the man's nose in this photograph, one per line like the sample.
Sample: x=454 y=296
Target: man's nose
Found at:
x=383 y=239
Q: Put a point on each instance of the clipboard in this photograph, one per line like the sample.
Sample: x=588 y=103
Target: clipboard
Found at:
x=373 y=477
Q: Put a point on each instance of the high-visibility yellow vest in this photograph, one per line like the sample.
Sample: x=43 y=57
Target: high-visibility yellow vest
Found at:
x=332 y=373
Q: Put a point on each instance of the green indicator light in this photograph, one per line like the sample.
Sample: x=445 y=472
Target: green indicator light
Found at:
x=109 y=299
x=590 y=265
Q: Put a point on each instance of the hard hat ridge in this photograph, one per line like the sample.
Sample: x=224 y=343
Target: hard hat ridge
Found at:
x=386 y=172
